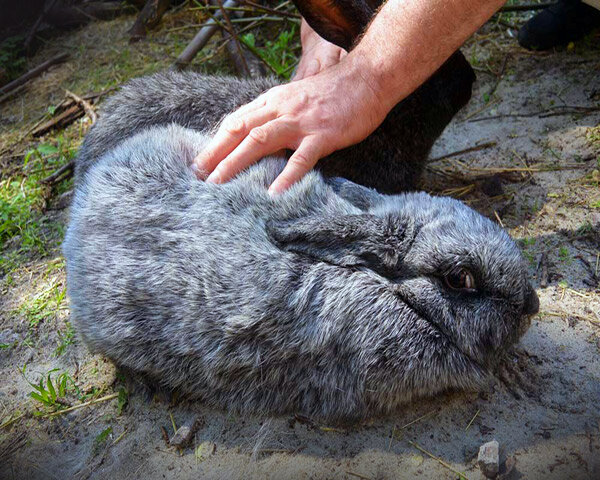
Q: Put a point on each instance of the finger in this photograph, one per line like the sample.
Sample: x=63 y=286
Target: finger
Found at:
x=255 y=104
x=300 y=163
x=231 y=132
x=261 y=141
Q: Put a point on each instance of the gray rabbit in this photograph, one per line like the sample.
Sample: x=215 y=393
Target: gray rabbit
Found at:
x=391 y=159
x=331 y=300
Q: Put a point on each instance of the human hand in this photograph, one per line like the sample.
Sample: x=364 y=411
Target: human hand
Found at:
x=314 y=116
x=317 y=53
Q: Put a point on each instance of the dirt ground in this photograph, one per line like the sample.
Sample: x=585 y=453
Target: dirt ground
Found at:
x=537 y=173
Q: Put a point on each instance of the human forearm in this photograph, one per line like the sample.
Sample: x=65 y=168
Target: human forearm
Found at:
x=409 y=40
x=342 y=104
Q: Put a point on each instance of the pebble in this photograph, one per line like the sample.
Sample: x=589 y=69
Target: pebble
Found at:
x=184 y=434
x=489 y=459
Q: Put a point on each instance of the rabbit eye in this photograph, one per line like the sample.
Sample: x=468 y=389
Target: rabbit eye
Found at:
x=460 y=280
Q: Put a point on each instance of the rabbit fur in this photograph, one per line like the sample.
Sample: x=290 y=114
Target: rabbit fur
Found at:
x=391 y=159
x=328 y=300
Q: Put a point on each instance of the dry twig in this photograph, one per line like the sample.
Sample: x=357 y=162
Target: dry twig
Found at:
x=551 y=112
x=37 y=24
x=461 y=475
x=476 y=148
x=271 y=10
x=58 y=121
x=89 y=110
x=357 y=475
x=201 y=39
x=237 y=53
x=63 y=172
x=34 y=73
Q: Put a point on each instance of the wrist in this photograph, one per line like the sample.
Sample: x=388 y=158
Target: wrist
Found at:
x=361 y=70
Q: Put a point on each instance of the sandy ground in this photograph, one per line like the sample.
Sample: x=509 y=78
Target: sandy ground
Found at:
x=542 y=189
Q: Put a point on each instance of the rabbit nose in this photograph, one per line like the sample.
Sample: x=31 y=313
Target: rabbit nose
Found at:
x=532 y=303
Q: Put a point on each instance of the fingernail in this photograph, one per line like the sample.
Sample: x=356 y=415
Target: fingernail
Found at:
x=214 y=177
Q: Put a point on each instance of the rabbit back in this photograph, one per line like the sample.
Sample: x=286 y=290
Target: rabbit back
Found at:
x=187 y=99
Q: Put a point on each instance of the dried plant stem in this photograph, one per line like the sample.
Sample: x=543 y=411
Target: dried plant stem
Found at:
x=10 y=421
x=473 y=419
x=461 y=475
x=34 y=72
x=418 y=419
x=271 y=10
x=81 y=405
x=551 y=112
x=357 y=475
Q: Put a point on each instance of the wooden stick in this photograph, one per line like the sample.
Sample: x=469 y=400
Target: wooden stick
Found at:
x=89 y=110
x=201 y=39
x=148 y=18
x=54 y=177
x=551 y=112
x=33 y=73
x=270 y=10
x=69 y=115
x=13 y=92
x=239 y=56
x=476 y=148
x=358 y=475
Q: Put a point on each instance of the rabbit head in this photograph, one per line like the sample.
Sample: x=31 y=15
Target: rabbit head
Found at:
x=461 y=280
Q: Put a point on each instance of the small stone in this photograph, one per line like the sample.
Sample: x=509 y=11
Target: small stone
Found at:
x=489 y=459
x=204 y=450
x=184 y=434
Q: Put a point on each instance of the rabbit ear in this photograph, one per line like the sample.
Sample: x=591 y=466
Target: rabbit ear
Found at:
x=339 y=21
x=377 y=243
